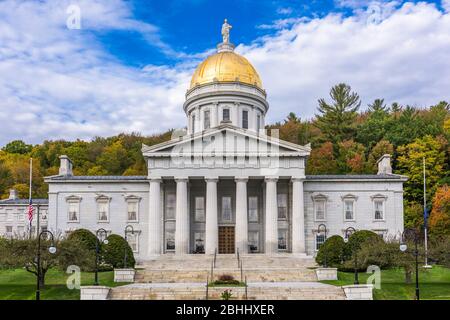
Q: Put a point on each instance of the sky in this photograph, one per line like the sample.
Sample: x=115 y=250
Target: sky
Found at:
x=75 y=69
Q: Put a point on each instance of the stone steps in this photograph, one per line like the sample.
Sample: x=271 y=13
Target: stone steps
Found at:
x=199 y=275
x=195 y=292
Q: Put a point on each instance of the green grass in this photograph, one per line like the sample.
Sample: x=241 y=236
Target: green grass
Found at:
x=18 y=284
x=434 y=284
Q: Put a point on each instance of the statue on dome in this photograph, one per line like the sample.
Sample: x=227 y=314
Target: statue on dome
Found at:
x=226 y=31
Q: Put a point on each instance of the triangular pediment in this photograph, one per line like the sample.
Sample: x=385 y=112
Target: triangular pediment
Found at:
x=226 y=140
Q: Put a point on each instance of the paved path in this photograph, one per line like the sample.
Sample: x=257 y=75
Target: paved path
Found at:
x=251 y=284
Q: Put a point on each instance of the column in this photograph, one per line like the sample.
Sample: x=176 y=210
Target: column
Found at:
x=154 y=219
x=211 y=226
x=236 y=114
x=214 y=114
x=181 y=218
x=271 y=245
x=298 y=217
x=241 y=233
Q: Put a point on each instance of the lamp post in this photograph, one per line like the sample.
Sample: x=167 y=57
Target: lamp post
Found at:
x=99 y=233
x=52 y=250
x=412 y=233
x=128 y=228
x=322 y=228
x=348 y=232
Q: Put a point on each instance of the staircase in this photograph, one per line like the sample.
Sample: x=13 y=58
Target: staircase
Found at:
x=281 y=276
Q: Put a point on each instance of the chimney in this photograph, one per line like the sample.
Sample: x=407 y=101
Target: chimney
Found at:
x=65 y=167
x=384 y=164
x=13 y=194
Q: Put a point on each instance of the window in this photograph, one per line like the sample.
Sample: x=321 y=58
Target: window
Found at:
x=282 y=239
x=170 y=240
x=103 y=210
x=21 y=231
x=193 y=123
x=226 y=208
x=319 y=206
x=9 y=215
x=349 y=209
x=258 y=122
x=9 y=230
x=226 y=114
x=133 y=241
x=253 y=209
x=282 y=206
x=253 y=241
x=170 y=206
x=199 y=209
x=132 y=210
x=199 y=240
x=245 y=119
x=21 y=216
x=320 y=239
x=74 y=207
x=206 y=120
x=379 y=209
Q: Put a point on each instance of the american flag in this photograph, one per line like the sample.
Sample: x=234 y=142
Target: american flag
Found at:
x=30 y=211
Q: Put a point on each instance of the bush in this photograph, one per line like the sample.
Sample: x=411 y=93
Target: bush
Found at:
x=113 y=253
x=332 y=250
x=358 y=239
x=85 y=237
x=226 y=279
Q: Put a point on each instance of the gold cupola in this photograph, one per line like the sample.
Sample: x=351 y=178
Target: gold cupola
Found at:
x=225 y=66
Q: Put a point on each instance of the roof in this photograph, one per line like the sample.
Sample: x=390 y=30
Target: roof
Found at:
x=357 y=177
x=97 y=178
x=23 y=201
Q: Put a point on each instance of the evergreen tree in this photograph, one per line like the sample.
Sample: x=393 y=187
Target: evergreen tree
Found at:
x=336 y=119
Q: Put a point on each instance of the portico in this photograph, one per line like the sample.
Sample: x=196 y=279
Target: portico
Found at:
x=226 y=214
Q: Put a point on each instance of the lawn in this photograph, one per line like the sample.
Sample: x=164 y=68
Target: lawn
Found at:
x=434 y=284
x=18 y=284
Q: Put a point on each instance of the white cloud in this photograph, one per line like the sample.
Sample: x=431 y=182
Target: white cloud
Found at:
x=60 y=83
x=446 y=5
x=402 y=58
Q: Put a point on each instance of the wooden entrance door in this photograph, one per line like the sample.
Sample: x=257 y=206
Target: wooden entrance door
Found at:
x=226 y=239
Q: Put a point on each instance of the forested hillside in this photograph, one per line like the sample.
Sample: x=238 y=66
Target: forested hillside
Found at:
x=345 y=140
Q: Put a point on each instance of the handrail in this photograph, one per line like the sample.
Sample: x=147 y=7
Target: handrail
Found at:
x=207 y=286
x=215 y=256
x=212 y=271
x=246 y=293
x=238 y=258
x=242 y=273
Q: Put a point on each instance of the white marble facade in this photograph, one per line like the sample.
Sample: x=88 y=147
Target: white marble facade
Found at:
x=225 y=185
x=14 y=216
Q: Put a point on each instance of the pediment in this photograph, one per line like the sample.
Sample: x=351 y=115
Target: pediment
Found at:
x=225 y=140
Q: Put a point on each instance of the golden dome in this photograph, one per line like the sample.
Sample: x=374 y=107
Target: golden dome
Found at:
x=225 y=66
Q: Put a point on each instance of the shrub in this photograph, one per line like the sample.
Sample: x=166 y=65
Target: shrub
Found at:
x=113 y=253
x=357 y=239
x=332 y=250
x=85 y=237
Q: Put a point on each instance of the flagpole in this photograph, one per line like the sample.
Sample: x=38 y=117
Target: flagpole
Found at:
x=425 y=216
x=29 y=198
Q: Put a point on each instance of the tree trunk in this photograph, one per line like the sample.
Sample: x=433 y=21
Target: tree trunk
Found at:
x=42 y=279
x=408 y=276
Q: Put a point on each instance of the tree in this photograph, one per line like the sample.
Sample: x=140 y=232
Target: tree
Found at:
x=374 y=128
x=336 y=120
x=352 y=157
x=410 y=163
x=440 y=215
x=381 y=148
x=322 y=161
x=332 y=250
x=17 y=146
x=413 y=216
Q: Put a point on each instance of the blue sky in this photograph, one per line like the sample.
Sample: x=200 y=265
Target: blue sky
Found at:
x=129 y=65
